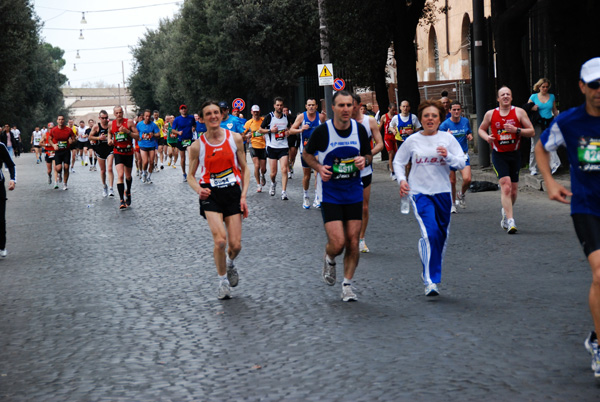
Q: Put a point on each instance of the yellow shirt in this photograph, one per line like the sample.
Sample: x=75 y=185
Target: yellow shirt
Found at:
x=258 y=139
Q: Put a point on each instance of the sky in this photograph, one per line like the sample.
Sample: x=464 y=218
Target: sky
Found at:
x=105 y=54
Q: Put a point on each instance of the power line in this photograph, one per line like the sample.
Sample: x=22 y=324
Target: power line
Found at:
x=98 y=48
x=97 y=29
x=113 y=9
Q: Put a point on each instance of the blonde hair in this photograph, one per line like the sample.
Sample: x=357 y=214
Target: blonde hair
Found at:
x=541 y=81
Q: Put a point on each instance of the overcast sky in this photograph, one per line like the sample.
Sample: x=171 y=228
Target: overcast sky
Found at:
x=127 y=21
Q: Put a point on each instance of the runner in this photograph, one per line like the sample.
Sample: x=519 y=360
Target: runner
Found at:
x=49 y=157
x=428 y=187
x=172 y=150
x=388 y=135
x=343 y=149
x=91 y=154
x=162 y=140
x=258 y=146
x=366 y=174
x=303 y=127
x=219 y=156
x=7 y=161
x=508 y=123
x=182 y=126
x=36 y=138
x=276 y=126
x=404 y=123
x=121 y=135
x=61 y=137
x=82 y=144
x=293 y=143
x=460 y=128
x=104 y=152
x=148 y=134
x=578 y=129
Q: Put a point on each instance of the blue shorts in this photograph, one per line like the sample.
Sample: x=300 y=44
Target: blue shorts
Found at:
x=467 y=162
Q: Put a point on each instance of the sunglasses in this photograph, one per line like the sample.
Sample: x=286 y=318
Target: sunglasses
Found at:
x=593 y=85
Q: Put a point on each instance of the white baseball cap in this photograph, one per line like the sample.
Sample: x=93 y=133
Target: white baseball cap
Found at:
x=255 y=108
x=590 y=70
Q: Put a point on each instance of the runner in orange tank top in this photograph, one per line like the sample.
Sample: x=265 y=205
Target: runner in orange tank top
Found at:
x=223 y=182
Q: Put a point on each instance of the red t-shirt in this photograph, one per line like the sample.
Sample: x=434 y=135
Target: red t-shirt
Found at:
x=503 y=140
x=61 y=137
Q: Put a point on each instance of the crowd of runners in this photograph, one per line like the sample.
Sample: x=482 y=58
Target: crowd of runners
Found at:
x=426 y=150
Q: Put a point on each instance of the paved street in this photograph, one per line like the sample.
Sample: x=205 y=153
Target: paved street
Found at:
x=98 y=304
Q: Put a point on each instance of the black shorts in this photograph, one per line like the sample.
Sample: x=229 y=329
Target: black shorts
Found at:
x=507 y=164
x=49 y=159
x=366 y=180
x=225 y=201
x=162 y=141
x=147 y=149
x=341 y=212
x=260 y=153
x=37 y=146
x=293 y=140
x=277 y=153
x=172 y=144
x=182 y=147
x=126 y=160
x=103 y=151
x=62 y=157
x=587 y=228
x=83 y=144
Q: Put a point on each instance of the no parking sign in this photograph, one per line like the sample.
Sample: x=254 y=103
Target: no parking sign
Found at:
x=339 y=84
x=238 y=103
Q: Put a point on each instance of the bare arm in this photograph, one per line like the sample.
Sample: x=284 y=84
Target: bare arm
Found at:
x=241 y=157
x=376 y=137
x=555 y=190
x=297 y=127
x=324 y=170
x=485 y=125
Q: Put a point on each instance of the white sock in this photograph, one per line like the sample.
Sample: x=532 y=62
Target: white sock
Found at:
x=223 y=278
x=347 y=282
x=305 y=193
x=330 y=261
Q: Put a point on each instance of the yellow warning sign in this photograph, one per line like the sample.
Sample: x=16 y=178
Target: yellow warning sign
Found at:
x=325 y=72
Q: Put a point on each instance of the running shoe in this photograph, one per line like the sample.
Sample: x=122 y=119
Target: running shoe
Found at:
x=317 y=203
x=3 y=253
x=185 y=178
x=591 y=345
x=123 y=205
x=284 y=196
x=263 y=181
x=162 y=166
x=224 y=291
x=258 y=188
x=169 y=163
x=105 y=191
x=453 y=209
x=393 y=176
x=306 y=204
x=60 y=177
x=128 y=198
x=143 y=178
x=432 y=290
x=272 y=189
x=72 y=170
x=173 y=165
x=348 y=294
x=232 y=275
x=49 y=179
x=460 y=197
x=328 y=272
x=82 y=163
x=503 y=223
x=111 y=192
x=65 y=188
x=290 y=175
x=56 y=185
x=512 y=227
x=362 y=246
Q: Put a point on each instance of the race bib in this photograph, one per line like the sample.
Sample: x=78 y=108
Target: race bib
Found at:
x=280 y=135
x=588 y=154
x=344 y=169
x=257 y=134
x=62 y=144
x=121 y=136
x=223 y=179
x=186 y=143
x=146 y=136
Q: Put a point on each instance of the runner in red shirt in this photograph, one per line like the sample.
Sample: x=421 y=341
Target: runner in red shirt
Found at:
x=61 y=138
x=121 y=135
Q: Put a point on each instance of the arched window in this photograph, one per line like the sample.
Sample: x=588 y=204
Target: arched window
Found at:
x=434 y=57
x=465 y=47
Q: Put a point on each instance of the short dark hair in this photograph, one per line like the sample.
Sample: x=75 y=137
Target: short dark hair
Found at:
x=156 y=111
x=208 y=103
x=102 y=112
x=431 y=102
x=278 y=99
x=309 y=99
x=339 y=93
x=357 y=98
x=456 y=103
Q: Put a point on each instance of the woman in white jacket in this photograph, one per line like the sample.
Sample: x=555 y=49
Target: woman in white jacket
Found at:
x=431 y=153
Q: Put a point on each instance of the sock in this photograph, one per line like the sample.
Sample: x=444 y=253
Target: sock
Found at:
x=121 y=188
x=149 y=176
x=223 y=278
x=305 y=193
x=129 y=181
x=347 y=282
x=229 y=261
x=330 y=261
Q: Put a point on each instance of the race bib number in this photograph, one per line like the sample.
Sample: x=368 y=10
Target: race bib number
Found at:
x=257 y=134
x=344 y=169
x=62 y=144
x=505 y=138
x=121 y=136
x=223 y=179
x=280 y=135
x=588 y=154
x=186 y=143
x=146 y=136
x=50 y=154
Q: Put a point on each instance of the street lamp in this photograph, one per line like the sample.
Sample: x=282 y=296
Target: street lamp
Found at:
x=74 y=67
x=83 y=21
x=78 y=57
x=81 y=34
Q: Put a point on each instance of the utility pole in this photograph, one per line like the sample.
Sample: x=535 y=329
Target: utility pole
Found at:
x=480 y=75
x=325 y=56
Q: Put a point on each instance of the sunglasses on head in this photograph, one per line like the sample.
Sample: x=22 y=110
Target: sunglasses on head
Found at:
x=593 y=84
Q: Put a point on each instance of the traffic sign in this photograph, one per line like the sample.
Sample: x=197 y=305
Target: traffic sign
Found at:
x=339 y=84
x=238 y=103
x=325 y=74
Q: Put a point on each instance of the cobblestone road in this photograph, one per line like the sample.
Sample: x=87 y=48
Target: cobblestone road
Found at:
x=102 y=305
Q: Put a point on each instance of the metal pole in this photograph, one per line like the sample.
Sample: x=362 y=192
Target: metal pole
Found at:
x=325 y=56
x=480 y=73
x=124 y=87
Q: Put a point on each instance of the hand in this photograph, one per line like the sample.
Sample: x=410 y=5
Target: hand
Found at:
x=273 y=129
x=469 y=137
x=442 y=151
x=360 y=162
x=535 y=108
x=204 y=193
x=11 y=185
x=557 y=192
x=304 y=127
x=490 y=139
x=325 y=172
x=404 y=188
x=510 y=128
x=244 y=207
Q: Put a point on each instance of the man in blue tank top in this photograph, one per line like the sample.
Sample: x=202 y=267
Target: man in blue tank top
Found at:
x=578 y=129
x=343 y=150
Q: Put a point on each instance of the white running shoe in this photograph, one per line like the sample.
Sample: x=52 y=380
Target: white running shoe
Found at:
x=393 y=176
x=460 y=197
x=232 y=275
x=272 y=189
x=328 y=272
x=224 y=291
x=105 y=191
x=65 y=188
x=306 y=204
x=258 y=188
x=362 y=246
x=317 y=203
x=503 y=223
x=432 y=290
x=3 y=253
x=511 y=226
x=348 y=294
x=453 y=209
x=284 y=196
x=263 y=181
x=290 y=175
x=111 y=192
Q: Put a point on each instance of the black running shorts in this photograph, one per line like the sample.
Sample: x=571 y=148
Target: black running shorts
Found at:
x=341 y=212
x=587 y=228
